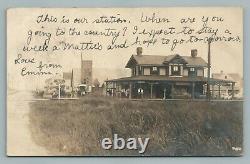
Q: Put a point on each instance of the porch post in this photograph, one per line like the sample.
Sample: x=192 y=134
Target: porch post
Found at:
x=164 y=93
x=113 y=89
x=212 y=90
x=151 y=90
x=130 y=90
x=193 y=85
x=219 y=90
x=233 y=89
x=172 y=90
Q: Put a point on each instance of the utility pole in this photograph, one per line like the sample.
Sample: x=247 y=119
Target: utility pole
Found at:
x=81 y=71
x=72 y=84
x=208 y=69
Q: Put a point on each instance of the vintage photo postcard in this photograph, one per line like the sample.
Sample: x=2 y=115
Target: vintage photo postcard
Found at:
x=125 y=81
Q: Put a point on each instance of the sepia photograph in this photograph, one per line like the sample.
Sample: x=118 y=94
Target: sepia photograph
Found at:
x=125 y=81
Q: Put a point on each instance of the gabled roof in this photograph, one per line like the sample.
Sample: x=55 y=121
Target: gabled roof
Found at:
x=235 y=76
x=161 y=60
x=146 y=59
x=229 y=76
x=195 y=61
x=174 y=59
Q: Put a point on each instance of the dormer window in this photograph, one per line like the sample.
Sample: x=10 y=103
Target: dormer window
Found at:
x=176 y=68
x=192 y=69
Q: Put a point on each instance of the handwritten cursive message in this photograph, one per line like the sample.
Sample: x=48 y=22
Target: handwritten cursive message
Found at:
x=44 y=41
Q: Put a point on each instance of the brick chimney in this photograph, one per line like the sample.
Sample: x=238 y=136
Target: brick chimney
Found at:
x=194 y=53
x=139 y=51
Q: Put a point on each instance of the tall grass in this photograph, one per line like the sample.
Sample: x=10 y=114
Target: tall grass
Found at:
x=175 y=128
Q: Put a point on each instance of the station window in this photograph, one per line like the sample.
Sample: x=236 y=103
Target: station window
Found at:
x=154 y=68
x=176 y=68
x=192 y=69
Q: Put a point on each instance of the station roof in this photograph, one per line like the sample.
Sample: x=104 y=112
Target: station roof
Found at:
x=158 y=78
x=161 y=60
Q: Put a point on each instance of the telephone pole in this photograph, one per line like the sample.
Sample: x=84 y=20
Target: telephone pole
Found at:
x=208 y=69
x=81 y=71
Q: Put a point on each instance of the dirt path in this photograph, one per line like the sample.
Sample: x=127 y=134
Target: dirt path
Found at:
x=19 y=140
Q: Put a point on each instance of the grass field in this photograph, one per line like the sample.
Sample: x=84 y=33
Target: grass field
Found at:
x=175 y=128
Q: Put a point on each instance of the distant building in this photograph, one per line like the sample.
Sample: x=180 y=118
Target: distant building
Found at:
x=79 y=76
x=86 y=71
x=227 y=89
